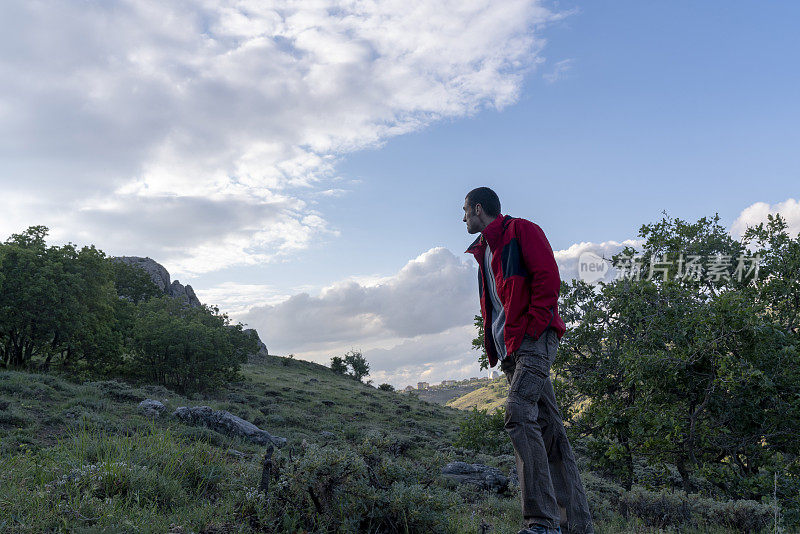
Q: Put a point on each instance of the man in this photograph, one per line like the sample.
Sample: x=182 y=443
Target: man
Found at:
x=519 y=284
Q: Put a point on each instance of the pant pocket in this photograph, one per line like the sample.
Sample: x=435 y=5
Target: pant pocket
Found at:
x=527 y=383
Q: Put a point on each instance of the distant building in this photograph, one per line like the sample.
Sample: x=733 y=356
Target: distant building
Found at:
x=423 y=385
x=474 y=378
x=448 y=382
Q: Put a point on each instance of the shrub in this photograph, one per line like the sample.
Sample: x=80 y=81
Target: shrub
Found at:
x=325 y=489
x=483 y=431
x=187 y=348
x=664 y=509
x=386 y=387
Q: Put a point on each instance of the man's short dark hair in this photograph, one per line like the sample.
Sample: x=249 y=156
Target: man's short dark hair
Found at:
x=487 y=198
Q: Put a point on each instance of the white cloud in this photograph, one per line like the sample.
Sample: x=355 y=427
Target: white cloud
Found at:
x=756 y=213
x=430 y=294
x=125 y=106
x=237 y=299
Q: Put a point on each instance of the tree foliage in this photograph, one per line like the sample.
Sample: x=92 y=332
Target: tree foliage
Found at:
x=352 y=364
x=359 y=368
x=700 y=374
x=483 y=431
x=79 y=310
x=56 y=304
x=477 y=343
x=338 y=366
x=187 y=348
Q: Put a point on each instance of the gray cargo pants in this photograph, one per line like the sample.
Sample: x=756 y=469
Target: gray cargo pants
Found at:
x=548 y=475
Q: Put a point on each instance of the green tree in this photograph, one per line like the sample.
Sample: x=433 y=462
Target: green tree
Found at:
x=477 y=343
x=697 y=373
x=56 y=304
x=359 y=368
x=386 y=387
x=338 y=365
x=187 y=348
x=132 y=283
x=352 y=364
x=483 y=431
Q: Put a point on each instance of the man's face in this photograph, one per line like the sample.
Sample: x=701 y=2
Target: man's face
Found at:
x=471 y=218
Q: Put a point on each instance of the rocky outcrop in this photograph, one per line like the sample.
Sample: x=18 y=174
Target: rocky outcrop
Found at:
x=479 y=475
x=227 y=423
x=160 y=277
x=179 y=291
x=262 y=349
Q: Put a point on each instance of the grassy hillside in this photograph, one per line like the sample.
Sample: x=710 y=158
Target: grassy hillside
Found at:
x=489 y=397
x=78 y=457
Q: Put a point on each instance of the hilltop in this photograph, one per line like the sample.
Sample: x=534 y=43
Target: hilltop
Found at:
x=448 y=390
x=490 y=396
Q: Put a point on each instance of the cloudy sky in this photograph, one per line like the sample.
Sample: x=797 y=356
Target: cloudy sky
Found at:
x=303 y=164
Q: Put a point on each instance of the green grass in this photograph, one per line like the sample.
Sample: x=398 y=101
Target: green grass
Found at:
x=78 y=457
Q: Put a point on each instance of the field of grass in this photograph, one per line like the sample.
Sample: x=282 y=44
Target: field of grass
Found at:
x=79 y=457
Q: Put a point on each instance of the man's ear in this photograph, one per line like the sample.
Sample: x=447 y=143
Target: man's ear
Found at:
x=478 y=210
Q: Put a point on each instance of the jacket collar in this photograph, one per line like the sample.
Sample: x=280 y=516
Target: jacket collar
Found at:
x=491 y=234
x=475 y=246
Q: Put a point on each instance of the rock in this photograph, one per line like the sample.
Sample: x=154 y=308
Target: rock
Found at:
x=226 y=423
x=158 y=274
x=482 y=476
x=262 y=349
x=185 y=293
x=151 y=408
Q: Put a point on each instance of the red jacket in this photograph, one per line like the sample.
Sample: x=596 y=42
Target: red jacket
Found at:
x=527 y=281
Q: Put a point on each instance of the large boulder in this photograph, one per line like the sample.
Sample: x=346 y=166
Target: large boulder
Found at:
x=479 y=475
x=227 y=423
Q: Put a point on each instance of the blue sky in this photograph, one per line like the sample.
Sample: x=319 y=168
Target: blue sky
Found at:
x=305 y=168
x=688 y=107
